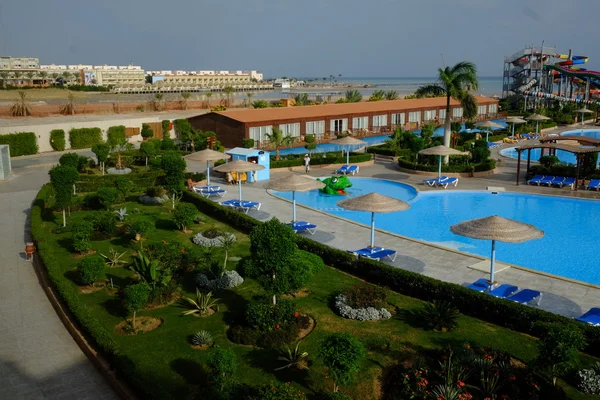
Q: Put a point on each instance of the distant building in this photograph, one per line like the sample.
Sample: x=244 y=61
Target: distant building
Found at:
x=19 y=63
x=282 y=83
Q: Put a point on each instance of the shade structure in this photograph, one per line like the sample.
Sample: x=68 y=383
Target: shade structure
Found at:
x=514 y=121
x=497 y=228
x=207 y=155
x=489 y=125
x=294 y=183
x=348 y=143
x=373 y=202
x=239 y=166
x=537 y=118
x=441 y=151
x=583 y=111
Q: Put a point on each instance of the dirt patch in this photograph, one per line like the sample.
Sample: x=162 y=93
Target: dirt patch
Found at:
x=298 y=295
x=210 y=312
x=91 y=289
x=311 y=326
x=150 y=307
x=81 y=255
x=143 y=324
x=203 y=347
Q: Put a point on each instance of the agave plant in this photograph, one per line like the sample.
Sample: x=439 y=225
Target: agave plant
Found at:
x=21 y=107
x=149 y=271
x=201 y=306
x=447 y=391
x=114 y=258
x=391 y=95
x=440 y=316
x=202 y=338
x=121 y=213
x=293 y=358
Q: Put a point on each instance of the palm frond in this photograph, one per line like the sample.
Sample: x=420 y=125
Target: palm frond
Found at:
x=469 y=105
x=430 y=90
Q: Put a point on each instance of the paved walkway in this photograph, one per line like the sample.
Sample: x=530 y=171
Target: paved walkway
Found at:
x=38 y=357
x=560 y=296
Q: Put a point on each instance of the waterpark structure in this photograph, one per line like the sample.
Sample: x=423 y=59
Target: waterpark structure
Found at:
x=543 y=73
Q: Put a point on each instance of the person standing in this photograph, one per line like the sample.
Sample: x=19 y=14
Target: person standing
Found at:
x=306 y=163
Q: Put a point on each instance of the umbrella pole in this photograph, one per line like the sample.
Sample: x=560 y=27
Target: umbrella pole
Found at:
x=487 y=135
x=513 y=130
x=372 y=229
x=440 y=167
x=493 y=261
x=208 y=172
x=348 y=157
x=294 y=206
x=239 y=185
x=537 y=126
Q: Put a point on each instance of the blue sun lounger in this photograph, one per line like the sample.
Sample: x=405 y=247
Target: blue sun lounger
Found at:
x=243 y=205
x=435 y=181
x=207 y=191
x=591 y=317
x=536 y=180
x=547 y=180
x=303 y=226
x=449 y=181
x=594 y=184
x=503 y=291
x=342 y=170
x=365 y=251
x=347 y=169
x=481 y=285
x=566 y=182
x=375 y=253
x=526 y=296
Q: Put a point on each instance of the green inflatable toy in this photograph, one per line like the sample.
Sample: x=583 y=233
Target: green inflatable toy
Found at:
x=335 y=185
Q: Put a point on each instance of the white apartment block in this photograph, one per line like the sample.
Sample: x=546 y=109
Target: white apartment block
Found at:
x=18 y=63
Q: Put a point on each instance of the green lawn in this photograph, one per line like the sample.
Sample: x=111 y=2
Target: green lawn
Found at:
x=165 y=358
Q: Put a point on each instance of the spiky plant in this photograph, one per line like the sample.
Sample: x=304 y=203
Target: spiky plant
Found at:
x=201 y=306
x=377 y=95
x=114 y=258
x=353 y=96
x=21 y=107
x=202 y=338
x=69 y=107
x=391 y=95
x=121 y=213
x=293 y=358
x=184 y=100
x=440 y=316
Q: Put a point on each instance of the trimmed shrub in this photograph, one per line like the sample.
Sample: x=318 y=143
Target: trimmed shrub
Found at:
x=105 y=224
x=312 y=262
x=174 y=166
x=84 y=138
x=166 y=127
x=247 y=143
x=91 y=183
x=147 y=132
x=276 y=390
x=115 y=136
x=184 y=215
x=267 y=317
x=91 y=270
x=57 y=140
x=82 y=235
x=104 y=197
x=73 y=160
x=486 y=165
x=167 y=144
x=123 y=185
x=21 y=144
x=363 y=296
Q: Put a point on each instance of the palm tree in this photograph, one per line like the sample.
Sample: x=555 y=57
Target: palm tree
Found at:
x=277 y=140
x=208 y=96
x=157 y=101
x=30 y=75
x=184 y=100
x=17 y=76
x=21 y=108
x=353 y=96
x=391 y=95
x=69 y=107
x=55 y=76
x=453 y=82
x=43 y=75
x=249 y=94
x=377 y=95
x=66 y=75
x=301 y=99
x=4 y=75
x=229 y=93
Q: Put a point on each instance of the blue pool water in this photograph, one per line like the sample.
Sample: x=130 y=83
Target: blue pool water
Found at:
x=568 y=248
x=563 y=156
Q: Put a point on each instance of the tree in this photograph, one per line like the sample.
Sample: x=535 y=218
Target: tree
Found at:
x=481 y=151
x=91 y=270
x=4 y=75
x=377 y=95
x=427 y=132
x=454 y=83
x=43 y=75
x=147 y=132
x=455 y=126
x=278 y=140
x=147 y=149
x=222 y=364
x=249 y=95
x=353 y=96
x=157 y=102
x=208 y=96
x=558 y=349
x=55 y=76
x=391 y=95
x=135 y=297
x=101 y=150
x=62 y=178
x=30 y=75
x=69 y=107
x=274 y=274
x=184 y=100
x=343 y=354
x=174 y=166
x=184 y=215
x=229 y=96
x=21 y=107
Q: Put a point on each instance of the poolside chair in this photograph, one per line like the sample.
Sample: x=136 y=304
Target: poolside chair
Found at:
x=526 y=296
x=209 y=192
x=567 y=182
x=206 y=188
x=482 y=285
x=353 y=169
x=435 y=181
x=594 y=184
x=591 y=317
x=378 y=255
x=365 y=251
x=449 y=181
x=535 y=180
x=557 y=181
x=342 y=170
x=303 y=226
x=503 y=291
x=243 y=205
x=547 y=180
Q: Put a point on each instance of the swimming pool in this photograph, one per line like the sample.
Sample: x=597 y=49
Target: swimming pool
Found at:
x=563 y=156
x=568 y=248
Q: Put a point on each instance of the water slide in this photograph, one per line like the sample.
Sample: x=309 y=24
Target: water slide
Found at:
x=575 y=60
x=525 y=91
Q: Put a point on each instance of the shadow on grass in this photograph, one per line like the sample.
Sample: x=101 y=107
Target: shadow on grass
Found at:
x=413 y=317
x=266 y=359
x=123 y=241
x=166 y=225
x=73 y=276
x=192 y=372
x=114 y=307
x=236 y=307
x=65 y=243
x=118 y=282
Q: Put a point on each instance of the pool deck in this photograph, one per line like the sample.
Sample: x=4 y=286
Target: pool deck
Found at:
x=560 y=296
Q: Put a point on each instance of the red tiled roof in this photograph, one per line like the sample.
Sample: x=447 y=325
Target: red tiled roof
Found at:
x=329 y=110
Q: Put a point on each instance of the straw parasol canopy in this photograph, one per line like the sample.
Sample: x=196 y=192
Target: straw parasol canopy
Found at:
x=489 y=125
x=583 y=111
x=349 y=142
x=239 y=166
x=537 y=117
x=294 y=183
x=497 y=228
x=373 y=202
x=207 y=155
x=514 y=121
x=441 y=150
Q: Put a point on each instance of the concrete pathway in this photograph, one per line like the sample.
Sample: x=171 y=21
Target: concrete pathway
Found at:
x=38 y=357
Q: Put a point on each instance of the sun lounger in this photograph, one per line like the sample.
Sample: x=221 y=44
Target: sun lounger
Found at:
x=378 y=255
x=493 y=144
x=342 y=170
x=481 y=285
x=526 y=296
x=557 y=181
x=209 y=192
x=594 y=184
x=366 y=250
x=449 y=181
x=303 y=226
x=206 y=188
x=591 y=317
x=536 y=180
x=435 y=181
x=503 y=291
x=547 y=180
x=567 y=182
x=243 y=205
x=507 y=140
x=347 y=169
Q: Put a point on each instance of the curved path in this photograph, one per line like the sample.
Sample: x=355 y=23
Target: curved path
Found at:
x=38 y=357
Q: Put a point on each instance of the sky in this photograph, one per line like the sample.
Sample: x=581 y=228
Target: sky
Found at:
x=301 y=38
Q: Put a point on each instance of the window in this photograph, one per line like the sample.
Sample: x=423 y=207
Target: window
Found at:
x=292 y=130
x=414 y=116
x=493 y=108
x=481 y=110
x=442 y=114
x=429 y=115
x=315 y=128
x=457 y=112
x=398 y=119
x=259 y=133
x=338 y=125
x=380 y=120
x=360 y=123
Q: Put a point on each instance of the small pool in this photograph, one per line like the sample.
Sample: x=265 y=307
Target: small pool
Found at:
x=569 y=247
x=563 y=156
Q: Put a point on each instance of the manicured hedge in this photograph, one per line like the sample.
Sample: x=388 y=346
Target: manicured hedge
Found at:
x=316 y=160
x=514 y=316
x=91 y=183
x=84 y=138
x=487 y=165
x=57 y=139
x=21 y=144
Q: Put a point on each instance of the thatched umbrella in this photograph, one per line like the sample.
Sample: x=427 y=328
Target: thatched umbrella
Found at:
x=583 y=111
x=294 y=183
x=537 y=118
x=441 y=150
x=239 y=166
x=207 y=155
x=497 y=228
x=348 y=143
x=373 y=202
x=514 y=121
x=489 y=125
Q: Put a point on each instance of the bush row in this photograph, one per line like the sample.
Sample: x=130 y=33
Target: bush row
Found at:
x=21 y=144
x=91 y=183
x=487 y=165
x=511 y=315
x=84 y=138
x=356 y=158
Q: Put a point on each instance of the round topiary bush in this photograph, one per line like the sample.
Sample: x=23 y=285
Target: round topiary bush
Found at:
x=91 y=270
